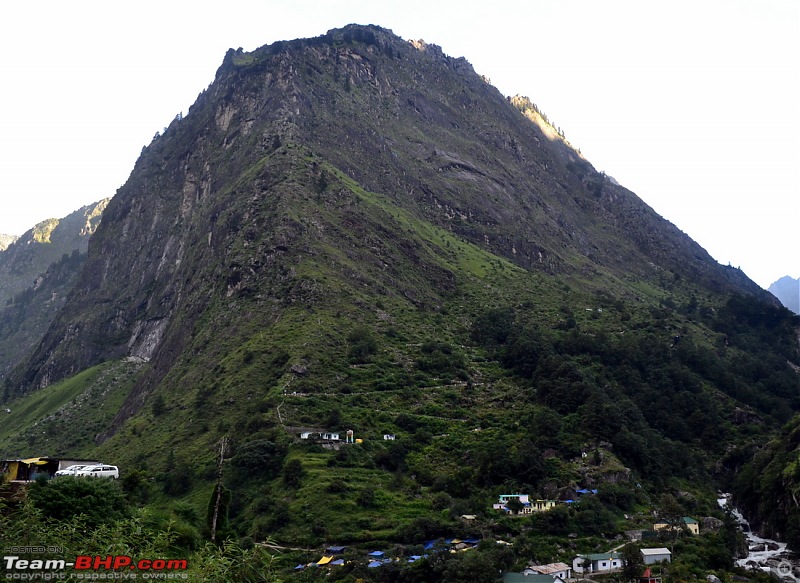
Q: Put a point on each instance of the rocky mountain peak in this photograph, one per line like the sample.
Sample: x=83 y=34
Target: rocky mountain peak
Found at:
x=6 y=240
x=787 y=290
x=270 y=167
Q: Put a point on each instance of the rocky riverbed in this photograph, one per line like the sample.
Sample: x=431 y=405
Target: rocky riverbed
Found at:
x=763 y=553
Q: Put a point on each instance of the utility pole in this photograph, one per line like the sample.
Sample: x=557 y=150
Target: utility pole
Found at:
x=223 y=445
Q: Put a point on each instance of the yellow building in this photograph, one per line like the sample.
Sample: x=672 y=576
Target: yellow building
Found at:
x=691 y=525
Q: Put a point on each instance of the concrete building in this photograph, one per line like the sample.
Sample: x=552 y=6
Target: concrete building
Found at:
x=650 y=556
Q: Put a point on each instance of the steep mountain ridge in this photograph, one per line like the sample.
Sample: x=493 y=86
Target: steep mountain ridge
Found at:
x=479 y=171
x=374 y=107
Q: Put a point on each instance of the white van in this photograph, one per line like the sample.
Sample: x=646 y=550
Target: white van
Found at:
x=99 y=471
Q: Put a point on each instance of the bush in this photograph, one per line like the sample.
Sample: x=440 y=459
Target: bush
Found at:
x=293 y=472
x=261 y=458
x=493 y=327
x=100 y=500
x=362 y=344
x=137 y=487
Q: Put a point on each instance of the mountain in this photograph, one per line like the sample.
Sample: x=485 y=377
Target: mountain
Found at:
x=359 y=104
x=36 y=274
x=28 y=256
x=358 y=232
x=787 y=290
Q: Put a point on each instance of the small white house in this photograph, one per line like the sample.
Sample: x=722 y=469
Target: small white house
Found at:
x=389 y=437
x=658 y=555
x=598 y=563
x=560 y=571
x=320 y=435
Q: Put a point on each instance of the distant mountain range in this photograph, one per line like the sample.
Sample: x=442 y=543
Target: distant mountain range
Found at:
x=37 y=271
x=787 y=290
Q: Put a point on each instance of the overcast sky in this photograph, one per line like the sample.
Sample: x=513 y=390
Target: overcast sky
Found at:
x=693 y=105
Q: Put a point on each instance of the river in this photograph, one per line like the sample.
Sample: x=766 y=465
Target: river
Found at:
x=764 y=554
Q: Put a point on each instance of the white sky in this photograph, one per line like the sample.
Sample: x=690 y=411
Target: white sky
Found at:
x=692 y=104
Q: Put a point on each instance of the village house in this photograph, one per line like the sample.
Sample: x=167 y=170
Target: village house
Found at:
x=597 y=563
x=690 y=523
x=658 y=555
x=560 y=571
x=320 y=435
x=509 y=577
x=543 y=505
x=528 y=506
x=504 y=499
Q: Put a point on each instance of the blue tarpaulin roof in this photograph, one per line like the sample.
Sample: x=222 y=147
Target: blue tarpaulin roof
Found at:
x=376 y=554
x=374 y=564
x=338 y=562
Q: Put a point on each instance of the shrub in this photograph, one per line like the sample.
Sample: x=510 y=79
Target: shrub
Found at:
x=293 y=472
x=260 y=458
x=362 y=344
x=100 y=500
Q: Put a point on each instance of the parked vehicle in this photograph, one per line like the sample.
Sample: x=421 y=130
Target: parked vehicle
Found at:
x=99 y=471
x=71 y=470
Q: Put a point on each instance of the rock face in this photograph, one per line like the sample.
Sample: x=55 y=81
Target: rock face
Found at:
x=37 y=271
x=271 y=168
x=787 y=290
x=710 y=524
x=6 y=240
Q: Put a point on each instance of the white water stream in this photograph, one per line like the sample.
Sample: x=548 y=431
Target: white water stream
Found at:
x=772 y=559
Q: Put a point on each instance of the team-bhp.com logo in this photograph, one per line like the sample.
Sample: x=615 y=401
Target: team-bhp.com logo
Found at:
x=93 y=567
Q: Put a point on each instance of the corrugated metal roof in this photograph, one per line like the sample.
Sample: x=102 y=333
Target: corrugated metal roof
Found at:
x=550 y=568
x=657 y=551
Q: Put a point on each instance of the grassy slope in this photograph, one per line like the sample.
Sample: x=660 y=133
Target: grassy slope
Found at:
x=63 y=419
